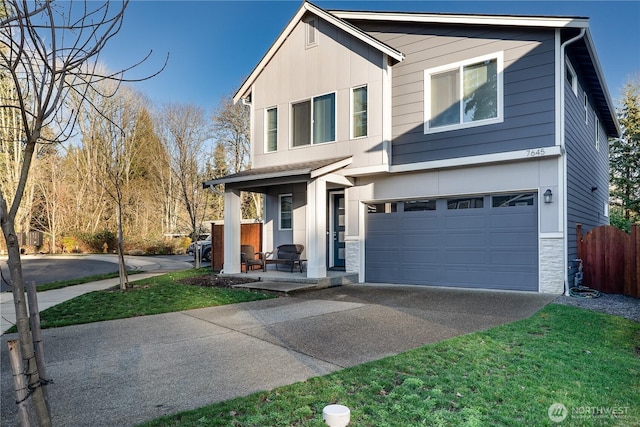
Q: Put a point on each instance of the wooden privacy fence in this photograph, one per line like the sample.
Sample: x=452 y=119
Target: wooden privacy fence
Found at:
x=250 y=234
x=611 y=259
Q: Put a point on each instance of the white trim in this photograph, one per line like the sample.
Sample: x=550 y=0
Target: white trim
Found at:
x=509 y=156
x=352 y=112
x=559 y=87
x=520 y=21
x=387 y=111
x=280 y=196
x=551 y=235
x=331 y=168
x=499 y=58
x=334 y=178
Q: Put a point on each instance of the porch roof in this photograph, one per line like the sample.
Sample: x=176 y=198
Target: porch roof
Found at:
x=257 y=180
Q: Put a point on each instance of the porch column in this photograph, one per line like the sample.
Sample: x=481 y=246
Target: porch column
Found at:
x=317 y=228
x=232 y=218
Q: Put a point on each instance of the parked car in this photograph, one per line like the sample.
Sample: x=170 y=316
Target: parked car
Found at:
x=206 y=250
x=191 y=250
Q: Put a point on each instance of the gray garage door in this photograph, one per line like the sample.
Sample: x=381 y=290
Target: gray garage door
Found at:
x=478 y=242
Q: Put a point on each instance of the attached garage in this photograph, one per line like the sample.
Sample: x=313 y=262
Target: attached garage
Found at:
x=486 y=241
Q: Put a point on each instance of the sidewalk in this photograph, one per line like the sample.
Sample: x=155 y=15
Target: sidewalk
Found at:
x=50 y=298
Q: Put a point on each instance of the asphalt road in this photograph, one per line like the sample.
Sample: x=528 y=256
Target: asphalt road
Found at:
x=45 y=269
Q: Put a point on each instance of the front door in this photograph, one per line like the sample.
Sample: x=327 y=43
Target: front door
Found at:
x=337 y=233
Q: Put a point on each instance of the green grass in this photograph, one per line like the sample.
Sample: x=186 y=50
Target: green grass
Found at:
x=505 y=376
x=72 y=282
x=160 y=294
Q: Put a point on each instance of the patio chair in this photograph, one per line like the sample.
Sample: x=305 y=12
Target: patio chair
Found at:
x=286 y=254
x=250 y=258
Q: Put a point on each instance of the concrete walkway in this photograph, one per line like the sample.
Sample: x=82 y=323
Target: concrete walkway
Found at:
x=123 y=372
x=153 y=266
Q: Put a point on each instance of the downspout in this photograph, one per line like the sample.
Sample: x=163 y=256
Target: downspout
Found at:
x=564 y=215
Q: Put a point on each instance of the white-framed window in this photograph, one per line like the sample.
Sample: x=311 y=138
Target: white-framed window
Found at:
x=312 y=32
x=285 y=211
x=271 y=130
x=313 y=121
x=359 y=107
x=571 y=77
x=597 y=133
x=464 y=94
x=586 y=108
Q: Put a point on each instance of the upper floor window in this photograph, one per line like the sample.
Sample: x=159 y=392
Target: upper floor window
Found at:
x=464 y=94
x=271 y=126
x=359 y=112
x=314 y=120
x=586 y=109
x=597 y=141
x=312 y=32
x=571 y=77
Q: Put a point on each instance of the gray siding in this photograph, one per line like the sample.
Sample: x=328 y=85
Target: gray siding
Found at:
x=529 y=119
x=586 y=168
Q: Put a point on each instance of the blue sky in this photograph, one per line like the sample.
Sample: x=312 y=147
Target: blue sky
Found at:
x=214 y=45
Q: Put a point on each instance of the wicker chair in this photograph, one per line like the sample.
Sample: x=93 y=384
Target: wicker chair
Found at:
x=250 y=258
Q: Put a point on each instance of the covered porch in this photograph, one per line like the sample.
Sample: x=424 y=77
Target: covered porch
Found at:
x=309 y=217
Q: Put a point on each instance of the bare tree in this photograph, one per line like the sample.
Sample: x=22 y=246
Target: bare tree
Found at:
x=231 y=128
x=47 y=51
x=183 y=131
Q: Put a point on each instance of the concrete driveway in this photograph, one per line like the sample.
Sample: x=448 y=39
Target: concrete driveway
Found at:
x=123 y=372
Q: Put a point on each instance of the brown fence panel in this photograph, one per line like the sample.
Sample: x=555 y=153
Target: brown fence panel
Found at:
x=250 y=234
x=610 y=259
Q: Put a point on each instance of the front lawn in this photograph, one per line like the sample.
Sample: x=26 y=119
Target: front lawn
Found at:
x=510 y=375
x=160 y=294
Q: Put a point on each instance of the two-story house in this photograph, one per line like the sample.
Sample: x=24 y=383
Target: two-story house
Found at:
x=429 y=149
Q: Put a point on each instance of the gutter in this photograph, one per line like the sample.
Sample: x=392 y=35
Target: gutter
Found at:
x=564 y=215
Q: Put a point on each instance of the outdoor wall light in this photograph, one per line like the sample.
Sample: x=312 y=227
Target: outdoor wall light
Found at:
x=548 y=196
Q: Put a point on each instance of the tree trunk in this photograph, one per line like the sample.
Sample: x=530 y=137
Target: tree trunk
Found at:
x=22 y=316
x=122 y=268
x=38 y=346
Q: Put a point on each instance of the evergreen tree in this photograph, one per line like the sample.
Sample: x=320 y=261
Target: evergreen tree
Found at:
x=624 y=156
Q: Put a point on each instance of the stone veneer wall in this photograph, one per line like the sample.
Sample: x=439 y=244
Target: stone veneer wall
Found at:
x=352 y=261
x=552 y=266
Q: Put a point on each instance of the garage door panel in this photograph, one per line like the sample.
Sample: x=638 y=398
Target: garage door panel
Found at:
x=479 y=247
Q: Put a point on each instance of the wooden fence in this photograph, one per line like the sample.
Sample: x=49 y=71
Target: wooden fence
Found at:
x=250 y=234
x=611 y=259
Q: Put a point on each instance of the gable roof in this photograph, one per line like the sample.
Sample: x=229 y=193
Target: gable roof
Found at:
x=330 y=18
